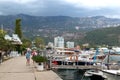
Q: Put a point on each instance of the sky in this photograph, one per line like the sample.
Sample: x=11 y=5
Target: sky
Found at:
x=74 y=8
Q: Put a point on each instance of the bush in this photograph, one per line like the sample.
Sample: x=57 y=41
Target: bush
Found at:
x=39 y=59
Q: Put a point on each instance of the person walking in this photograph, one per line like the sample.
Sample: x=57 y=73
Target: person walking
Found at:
x=28 y=53
x=34 y=53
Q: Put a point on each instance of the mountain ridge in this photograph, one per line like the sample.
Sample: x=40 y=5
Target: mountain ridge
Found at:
x=84 y=22
x=72 y=28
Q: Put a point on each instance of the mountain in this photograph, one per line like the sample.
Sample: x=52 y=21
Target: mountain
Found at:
x=72 y=28
x=106 y=36
x=58 y=22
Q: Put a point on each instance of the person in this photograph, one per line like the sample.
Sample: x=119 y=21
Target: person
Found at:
x=28 y=53
x=34 y=53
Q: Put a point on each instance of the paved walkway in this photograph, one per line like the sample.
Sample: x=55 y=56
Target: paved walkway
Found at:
x=16 y=69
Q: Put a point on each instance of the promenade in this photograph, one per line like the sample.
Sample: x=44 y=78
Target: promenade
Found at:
x=16 y=69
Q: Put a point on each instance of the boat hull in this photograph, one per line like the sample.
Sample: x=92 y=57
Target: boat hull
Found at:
x=95 y=74
x=96 y=77
x=111 y=76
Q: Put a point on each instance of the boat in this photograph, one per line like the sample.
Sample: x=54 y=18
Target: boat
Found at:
x=67 y=57
x=76 y=57
x=112 y=70
x=112 y=74
x=95 y=74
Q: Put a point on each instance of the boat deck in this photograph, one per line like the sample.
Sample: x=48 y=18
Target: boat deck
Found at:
x=116 y=72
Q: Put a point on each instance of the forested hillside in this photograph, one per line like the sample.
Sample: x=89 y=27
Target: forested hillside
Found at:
x=71 y=28
x=105 y=36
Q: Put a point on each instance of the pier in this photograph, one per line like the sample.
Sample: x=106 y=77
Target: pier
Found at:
x=16 y=69
x=75 y=67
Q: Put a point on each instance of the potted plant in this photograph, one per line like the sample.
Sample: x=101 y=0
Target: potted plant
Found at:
x=40 y=60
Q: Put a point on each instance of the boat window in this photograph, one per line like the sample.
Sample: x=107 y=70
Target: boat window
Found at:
x=60 y=52
x=83 y=57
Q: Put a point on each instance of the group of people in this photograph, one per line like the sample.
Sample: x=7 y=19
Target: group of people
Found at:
x=28 y=54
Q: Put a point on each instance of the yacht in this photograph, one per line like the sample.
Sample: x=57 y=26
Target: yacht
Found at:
x=95 y=74
x=112 y=70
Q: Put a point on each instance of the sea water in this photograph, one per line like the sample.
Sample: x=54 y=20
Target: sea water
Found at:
x=66 y=74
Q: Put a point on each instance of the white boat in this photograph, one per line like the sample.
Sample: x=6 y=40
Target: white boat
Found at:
x=112 y=74
x=112 y=62
x=95 y=74
x=76 y=57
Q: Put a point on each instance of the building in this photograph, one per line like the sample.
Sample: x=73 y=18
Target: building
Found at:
x=59 y=42
x=14 y=39
x=70 y=44
x=50 y=44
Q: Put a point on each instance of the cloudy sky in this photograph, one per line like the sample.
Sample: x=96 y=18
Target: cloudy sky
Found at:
x=76 y=8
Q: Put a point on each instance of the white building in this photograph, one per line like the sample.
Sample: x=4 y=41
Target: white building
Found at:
x=50 y=44
x=7 y=37
x=59 y=42
x=70 y=44
x=15 y=39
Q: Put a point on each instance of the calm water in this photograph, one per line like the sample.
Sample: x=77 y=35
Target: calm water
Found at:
x=71 y=74
x=66 y=74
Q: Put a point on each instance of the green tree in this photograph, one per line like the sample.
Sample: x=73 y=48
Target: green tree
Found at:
x=39 y=42
x=2 y=40
x=26 y=43
x=4 y=44
x=18 y=30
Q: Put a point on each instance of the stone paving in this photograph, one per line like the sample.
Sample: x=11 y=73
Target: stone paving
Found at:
x=16 y=69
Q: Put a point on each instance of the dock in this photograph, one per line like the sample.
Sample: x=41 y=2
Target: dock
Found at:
x=16 y=69
x=75 y=67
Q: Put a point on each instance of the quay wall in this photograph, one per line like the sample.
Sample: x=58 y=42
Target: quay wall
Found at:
x=47 y=75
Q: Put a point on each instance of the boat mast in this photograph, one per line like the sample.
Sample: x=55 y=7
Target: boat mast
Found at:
x=108 y=60
x=95 y=55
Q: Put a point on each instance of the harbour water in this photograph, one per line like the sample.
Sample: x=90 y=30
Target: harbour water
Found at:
x=67 y=74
